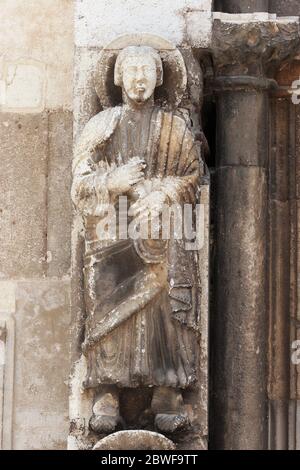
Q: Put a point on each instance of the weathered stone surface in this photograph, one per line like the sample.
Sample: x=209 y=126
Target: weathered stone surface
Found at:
x=36 y=41
x=279 y=275
x=285 y=7
x=294 y=300
x=42 y=365
x=97 y=23
x=86 y=102
x=252 y=44
x=7 y=297
x=280 y=145
x=59 y=210
x=279 y=305
x=245 y=47
x=281 y=188
x=23 y=87
x=241 y=145
x=294 y=425
x=284 y=384
x=35 y=73
x=170 y=406
x=7 y=361
x=23 y=180
x=135 y=440
x=241 y=6
x=295 y=169
x=240 y=328
x=35 y=205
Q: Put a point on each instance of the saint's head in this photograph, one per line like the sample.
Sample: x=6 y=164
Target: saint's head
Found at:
x=138 y=71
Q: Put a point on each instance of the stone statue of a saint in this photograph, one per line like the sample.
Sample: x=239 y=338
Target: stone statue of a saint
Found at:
x=141 y=296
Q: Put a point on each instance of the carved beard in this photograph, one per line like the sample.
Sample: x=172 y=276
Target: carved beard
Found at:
x=138 y=96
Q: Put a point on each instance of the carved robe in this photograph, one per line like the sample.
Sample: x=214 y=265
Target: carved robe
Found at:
x=141 y=316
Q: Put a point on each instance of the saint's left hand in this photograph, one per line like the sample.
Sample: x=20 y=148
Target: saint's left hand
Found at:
x=151 y=204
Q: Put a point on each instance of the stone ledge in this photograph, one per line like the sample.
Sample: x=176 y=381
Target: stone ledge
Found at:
x=253 y=18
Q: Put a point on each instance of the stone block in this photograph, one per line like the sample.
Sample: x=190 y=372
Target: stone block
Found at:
x=23 y=199
x=41 y=365
x=59 y=213
x=39 y=33
x=23 y=87
x=86 y=102
x=98 y=23
x=7 y=297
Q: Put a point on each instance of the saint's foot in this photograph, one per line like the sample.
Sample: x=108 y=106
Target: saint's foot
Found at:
x=170 y=423
x=105 y=417
x=102 y=424
x=168 y=407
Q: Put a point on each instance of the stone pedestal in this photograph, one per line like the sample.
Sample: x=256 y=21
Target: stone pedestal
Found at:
x=135 y=440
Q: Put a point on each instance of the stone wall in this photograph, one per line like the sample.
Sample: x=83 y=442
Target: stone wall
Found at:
x=36 y=54
x=38 y=39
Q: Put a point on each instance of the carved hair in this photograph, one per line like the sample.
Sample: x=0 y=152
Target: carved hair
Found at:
x=134 y=51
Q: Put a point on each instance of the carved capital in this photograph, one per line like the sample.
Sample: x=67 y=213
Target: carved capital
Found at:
x=253 y=46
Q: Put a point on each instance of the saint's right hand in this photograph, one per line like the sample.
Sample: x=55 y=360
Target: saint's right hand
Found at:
x=122 y=178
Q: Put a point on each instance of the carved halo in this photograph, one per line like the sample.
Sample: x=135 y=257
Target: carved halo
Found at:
x=174 y=84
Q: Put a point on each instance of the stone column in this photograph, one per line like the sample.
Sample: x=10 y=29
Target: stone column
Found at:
x=240 y=329
x=241 y=266
x=284 y=260
x=280 y=304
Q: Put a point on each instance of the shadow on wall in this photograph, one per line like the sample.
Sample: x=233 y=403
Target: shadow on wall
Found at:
x=281 y=7
x=285 y=7
x=241 y=6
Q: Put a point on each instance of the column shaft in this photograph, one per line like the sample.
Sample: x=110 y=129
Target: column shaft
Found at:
x=240 y=331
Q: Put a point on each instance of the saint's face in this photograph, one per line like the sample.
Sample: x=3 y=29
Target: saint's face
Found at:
x=139 y=77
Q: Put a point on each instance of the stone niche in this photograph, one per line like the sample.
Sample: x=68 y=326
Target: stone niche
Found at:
x=110 y=414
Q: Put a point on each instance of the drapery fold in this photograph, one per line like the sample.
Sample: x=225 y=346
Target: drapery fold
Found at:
x=154 y=307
